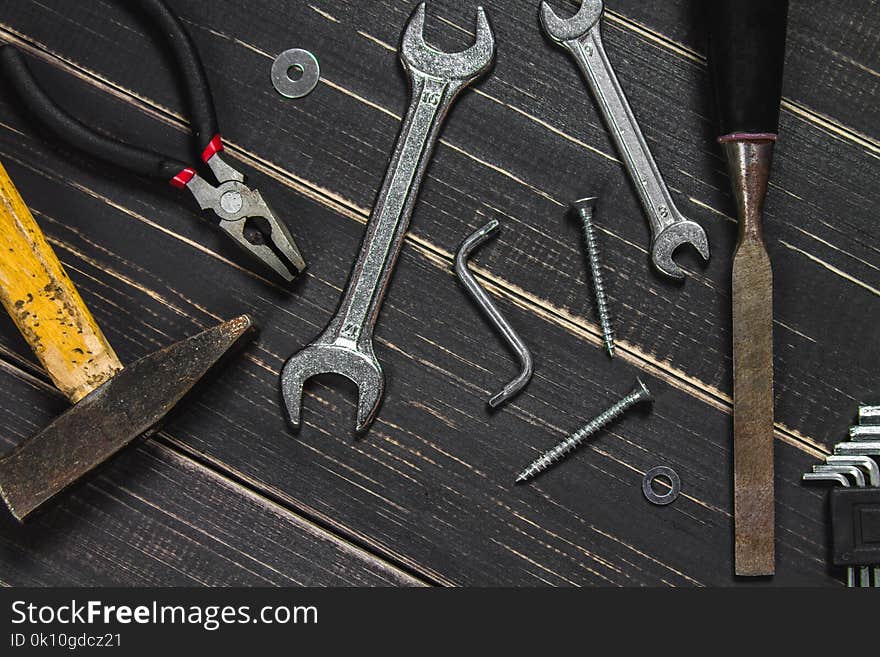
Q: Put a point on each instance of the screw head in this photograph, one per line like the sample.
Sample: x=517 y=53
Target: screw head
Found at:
x=643 y=392
x=584 y=206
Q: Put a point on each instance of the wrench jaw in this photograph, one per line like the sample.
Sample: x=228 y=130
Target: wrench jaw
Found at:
x=673 y=236
x=465 y=67
x=360 y=368
x=345 y=347
x=580 y=36
x=562 y=30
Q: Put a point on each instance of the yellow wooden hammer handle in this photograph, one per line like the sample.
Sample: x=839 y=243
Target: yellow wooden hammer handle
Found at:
x=41 y=299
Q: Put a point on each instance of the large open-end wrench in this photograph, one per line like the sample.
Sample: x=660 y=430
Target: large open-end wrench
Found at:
x=581 y=36
x=346 y=345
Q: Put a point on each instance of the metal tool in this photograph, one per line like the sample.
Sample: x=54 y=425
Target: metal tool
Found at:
x=869 y=415
x=870 y=467
x=746 y=54
x=346 y=345
x=868 y=428
x=857 y=475
x=243 y=214
x=859 y=453
x=478 y=294
x=865 y=432
x=858 y=448
x=858 y=478
x=583 y=210
x=581 y=36
x=113 y=406
x=295 y=73
x=638 y=395
x=853 y=527
x=866 y=463
x=674 y=485
x=841 y=479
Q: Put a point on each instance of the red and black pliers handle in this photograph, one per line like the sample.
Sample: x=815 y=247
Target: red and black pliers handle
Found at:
x=232 y=201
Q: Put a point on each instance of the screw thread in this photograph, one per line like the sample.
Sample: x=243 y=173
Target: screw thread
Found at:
x=639 y=394
x=593 y=258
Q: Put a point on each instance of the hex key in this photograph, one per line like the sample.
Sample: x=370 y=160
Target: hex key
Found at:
x=491 y=310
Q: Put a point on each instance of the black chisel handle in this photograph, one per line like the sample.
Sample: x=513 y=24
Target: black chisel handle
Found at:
x=746 y=56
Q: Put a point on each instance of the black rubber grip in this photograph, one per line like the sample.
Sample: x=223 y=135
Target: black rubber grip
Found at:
x=746 y=57
x=855 y=526
x=77 y=134
x=201 y=103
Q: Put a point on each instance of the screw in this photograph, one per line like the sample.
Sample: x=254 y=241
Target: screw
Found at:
x=639 y=394
x=584 y=211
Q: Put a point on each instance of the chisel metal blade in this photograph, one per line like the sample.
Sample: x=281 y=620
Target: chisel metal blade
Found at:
x=753 y=484
x=110 y=417
x=753 y=410
x=746 y=49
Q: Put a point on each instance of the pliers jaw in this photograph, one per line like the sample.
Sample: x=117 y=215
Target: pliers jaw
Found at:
x=247 y=219
x=244 y=216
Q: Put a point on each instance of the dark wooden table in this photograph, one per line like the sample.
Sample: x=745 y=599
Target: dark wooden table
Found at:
x=227 y=494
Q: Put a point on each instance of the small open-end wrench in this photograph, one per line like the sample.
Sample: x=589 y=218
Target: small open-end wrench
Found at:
x=346 y=345
x=581 y=36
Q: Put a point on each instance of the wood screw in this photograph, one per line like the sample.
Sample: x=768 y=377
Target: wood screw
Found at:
x=584 y=211
x=639 y=394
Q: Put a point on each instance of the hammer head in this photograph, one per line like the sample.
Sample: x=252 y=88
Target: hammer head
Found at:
x=110 y=417
x=570 y=29
x=465 y=66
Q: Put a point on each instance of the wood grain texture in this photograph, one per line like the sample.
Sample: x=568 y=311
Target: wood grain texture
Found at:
x=833 y=66
x=530 y=188
x=430 y=486
x=157 y=518
x=435 y=474
x=47 y=309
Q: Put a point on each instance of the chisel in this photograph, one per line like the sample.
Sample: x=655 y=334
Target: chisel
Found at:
x=746 y=55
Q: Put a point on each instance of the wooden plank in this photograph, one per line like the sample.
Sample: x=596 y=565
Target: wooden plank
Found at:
x=157 y=518
x=537 y=261
x=833 y=54
x=657 y=319
x=431 y=485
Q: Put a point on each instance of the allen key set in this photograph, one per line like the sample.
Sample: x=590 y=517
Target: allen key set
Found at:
x=855 y=501
x=746 y=49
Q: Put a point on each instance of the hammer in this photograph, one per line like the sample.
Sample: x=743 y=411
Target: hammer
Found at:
x=112 y=405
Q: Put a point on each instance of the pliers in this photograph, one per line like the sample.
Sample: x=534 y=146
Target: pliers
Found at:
x=244 y=215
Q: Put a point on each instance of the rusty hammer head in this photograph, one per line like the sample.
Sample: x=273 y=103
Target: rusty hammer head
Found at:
x=114 y=414
x=113 y=405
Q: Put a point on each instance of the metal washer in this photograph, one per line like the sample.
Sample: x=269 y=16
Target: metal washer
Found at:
x=295 y=58
x=652 y=495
